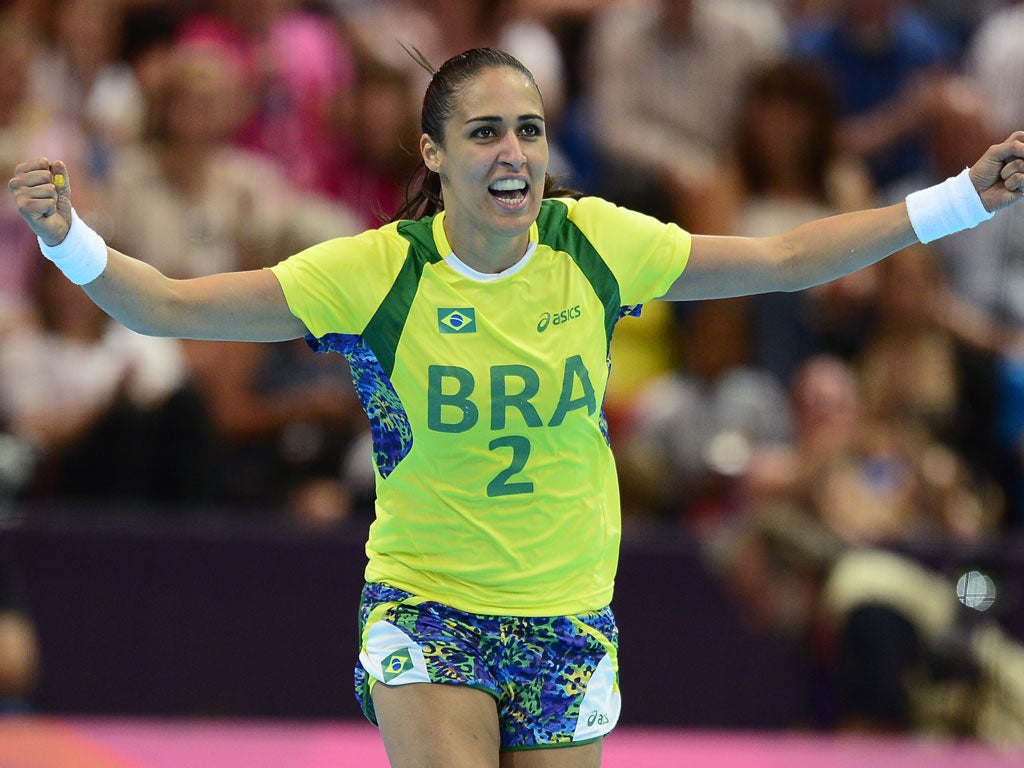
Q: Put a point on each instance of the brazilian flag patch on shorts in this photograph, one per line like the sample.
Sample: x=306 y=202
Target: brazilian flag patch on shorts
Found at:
x=395 y=664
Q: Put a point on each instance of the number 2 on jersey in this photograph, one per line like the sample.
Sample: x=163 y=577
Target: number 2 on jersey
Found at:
x=500 y=485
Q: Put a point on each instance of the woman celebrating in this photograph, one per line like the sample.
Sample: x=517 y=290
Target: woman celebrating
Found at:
x=477 y=330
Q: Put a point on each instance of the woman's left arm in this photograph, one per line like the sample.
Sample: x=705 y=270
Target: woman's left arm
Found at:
x=826 y=249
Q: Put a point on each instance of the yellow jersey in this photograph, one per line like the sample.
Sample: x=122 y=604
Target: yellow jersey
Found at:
x=496 y=484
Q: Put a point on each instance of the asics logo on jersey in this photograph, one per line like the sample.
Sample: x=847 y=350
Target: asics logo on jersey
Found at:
x=456 y=320
x=557 y=318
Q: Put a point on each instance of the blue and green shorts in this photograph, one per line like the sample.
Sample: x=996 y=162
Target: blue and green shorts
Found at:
x=555 y=679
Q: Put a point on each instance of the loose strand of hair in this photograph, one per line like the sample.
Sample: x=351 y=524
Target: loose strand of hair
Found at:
x=419 y=58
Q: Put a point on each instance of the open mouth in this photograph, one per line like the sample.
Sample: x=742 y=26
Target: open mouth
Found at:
x=509 y=192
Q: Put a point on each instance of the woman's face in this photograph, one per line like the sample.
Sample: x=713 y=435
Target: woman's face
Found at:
x=494 y=159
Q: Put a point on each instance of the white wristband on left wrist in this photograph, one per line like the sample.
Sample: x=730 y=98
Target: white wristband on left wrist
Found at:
x=945 y=208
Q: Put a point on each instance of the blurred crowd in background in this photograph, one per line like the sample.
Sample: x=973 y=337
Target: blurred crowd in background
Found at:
x=886 y=407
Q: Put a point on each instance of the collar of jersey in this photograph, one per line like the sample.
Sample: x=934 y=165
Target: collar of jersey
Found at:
x=453 y=261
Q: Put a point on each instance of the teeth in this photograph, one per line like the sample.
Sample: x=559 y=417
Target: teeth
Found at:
x=508 y=185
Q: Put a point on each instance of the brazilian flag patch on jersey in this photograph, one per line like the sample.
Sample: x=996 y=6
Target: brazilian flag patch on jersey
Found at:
x=456 y=320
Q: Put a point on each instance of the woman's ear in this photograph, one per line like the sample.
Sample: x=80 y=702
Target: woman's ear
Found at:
x=429 y=150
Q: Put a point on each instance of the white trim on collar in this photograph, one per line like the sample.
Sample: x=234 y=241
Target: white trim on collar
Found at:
x=487 y=277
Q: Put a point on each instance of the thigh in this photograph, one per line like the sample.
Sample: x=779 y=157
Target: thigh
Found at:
x=431 y=725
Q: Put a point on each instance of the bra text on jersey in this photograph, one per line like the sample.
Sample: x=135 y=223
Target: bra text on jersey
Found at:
x=452 y=407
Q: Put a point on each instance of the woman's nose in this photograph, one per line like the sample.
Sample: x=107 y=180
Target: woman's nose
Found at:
x=512 y=152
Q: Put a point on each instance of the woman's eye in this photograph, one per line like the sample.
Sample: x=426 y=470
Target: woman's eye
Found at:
x=484 y=132
x=531 y=131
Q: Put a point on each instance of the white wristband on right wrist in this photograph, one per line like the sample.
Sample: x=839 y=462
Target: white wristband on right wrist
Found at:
x=945 y=208
x=81 y=256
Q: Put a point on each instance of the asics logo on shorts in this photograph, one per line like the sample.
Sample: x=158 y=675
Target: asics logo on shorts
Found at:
x=597 y=717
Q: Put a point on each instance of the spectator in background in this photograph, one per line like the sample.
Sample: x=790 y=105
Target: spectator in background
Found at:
x=666 y=78
x=295 y=61
x=150 y=33
x=883 y=55
x=875 y=494
x=920 y=366
x=787 y=166
x=91 y=95
x=377 y=129
x=209 y=202
x=869 y=480
x=108 y=413
x=659 y=104
x=190 y=201
x=856 y=475
x=826 y=410
x=690 y=432
x=281 y=421
x=510 y=26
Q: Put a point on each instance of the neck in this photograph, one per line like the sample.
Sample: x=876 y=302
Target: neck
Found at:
x=489 y=255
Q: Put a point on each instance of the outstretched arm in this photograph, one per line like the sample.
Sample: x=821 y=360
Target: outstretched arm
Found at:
x=236 y=306
x=825 y=249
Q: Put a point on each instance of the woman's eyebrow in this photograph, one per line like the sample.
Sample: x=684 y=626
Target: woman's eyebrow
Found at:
x=499 y=119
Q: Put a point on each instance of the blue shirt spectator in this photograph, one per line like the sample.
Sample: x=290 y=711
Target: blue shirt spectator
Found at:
x=874 y=50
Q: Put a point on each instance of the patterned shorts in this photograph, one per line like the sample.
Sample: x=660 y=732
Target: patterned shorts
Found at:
x=555 y=679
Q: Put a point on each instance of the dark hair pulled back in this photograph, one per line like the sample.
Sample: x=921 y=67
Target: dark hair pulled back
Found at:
x=423 y=192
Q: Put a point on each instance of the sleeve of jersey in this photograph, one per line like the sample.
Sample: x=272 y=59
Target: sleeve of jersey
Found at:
x=337 y=285
x=646 y=255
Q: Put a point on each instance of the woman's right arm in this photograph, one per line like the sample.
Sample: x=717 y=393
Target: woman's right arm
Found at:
x=229 y=306
x=235 y=306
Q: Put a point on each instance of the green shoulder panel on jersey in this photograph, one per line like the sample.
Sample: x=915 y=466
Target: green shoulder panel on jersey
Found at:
x=385 y=327
x=560 y=234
